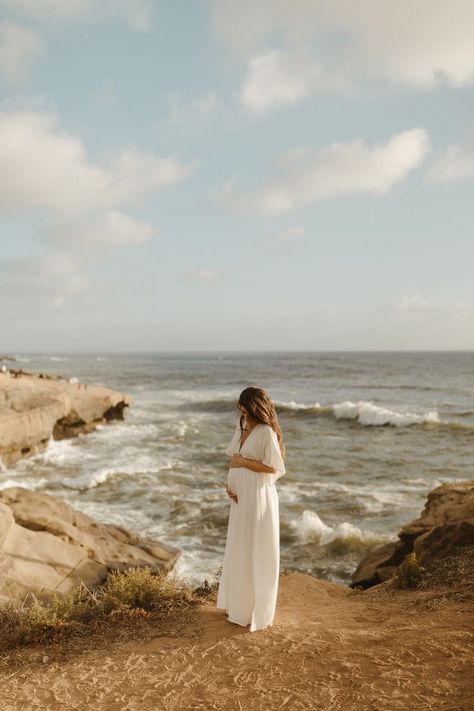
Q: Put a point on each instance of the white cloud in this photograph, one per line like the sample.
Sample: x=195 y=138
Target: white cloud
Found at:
x=419 y=316
x=191 y=112
x=137 y=13
x=412 y=44
x=292 y=233
x=412 y=303
x=310 y=174
x=202 y=274
x=19 y=48
x=76 y=205
x=50 y=281
x=455 y=163
x=275 y=78
x=42 y=166
x=112 y=229
x=48 y=9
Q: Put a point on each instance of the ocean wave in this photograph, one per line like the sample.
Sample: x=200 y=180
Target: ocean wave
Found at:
x=366 y=413
x=125 y=430
x=64 y=452
x=26 y=483
x=91 y=480
x=310 y=528
x=55 y=358
x=299 y=407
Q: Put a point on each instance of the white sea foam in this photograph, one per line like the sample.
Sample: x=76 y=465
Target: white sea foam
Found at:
x=55 y=358
x=11 y=482
x=125 y=430
x=310 y=527
x=64 y=452
x=139 y=467
x=195 y=565
x=26 y=483
x=369 y=414
x=292 y=405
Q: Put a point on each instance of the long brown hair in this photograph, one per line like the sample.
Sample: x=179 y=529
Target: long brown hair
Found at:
x=260 y=407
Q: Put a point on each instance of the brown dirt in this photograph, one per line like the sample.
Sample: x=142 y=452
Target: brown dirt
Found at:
x=330 y=649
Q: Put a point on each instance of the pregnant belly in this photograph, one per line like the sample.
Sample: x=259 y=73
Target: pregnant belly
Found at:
x=240 y=478
x=231 y=478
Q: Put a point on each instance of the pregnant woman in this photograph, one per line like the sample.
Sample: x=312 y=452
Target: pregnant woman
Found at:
x=249 y=580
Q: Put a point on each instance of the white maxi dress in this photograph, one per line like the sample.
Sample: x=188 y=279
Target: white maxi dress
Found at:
x=248 y=584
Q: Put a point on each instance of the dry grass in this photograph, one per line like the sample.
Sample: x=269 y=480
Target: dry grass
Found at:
x=446 y=580
x=410 y=572
x=452 y=574
x=126 y=599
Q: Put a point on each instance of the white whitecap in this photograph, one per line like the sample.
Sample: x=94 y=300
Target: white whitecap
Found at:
x=369 y=414
x=310 y=527
x=292 y=405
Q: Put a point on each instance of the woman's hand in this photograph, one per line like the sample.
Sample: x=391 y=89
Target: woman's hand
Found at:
x=237 y=460
x=232 y=494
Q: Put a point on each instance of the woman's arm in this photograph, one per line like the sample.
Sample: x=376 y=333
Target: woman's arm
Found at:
x=237 y=460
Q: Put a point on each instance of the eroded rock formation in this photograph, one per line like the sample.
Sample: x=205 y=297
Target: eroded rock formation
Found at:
x=47 y=547
x=446 y=521
x=37 y=407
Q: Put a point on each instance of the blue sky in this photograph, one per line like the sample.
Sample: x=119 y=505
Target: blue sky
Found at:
x=236 y=175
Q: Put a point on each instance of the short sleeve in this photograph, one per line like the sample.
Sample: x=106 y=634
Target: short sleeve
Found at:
x=234 y=442
x=272 y=453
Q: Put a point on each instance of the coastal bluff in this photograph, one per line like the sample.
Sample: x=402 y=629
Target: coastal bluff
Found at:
x=47 y=547
x=446 y=522
x=35 y=407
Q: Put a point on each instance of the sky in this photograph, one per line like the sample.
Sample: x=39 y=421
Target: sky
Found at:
x=236 y=175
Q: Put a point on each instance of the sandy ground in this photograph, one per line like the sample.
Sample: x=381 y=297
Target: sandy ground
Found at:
x=328 y=649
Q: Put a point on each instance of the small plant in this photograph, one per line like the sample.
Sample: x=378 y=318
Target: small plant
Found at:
x=410 y=572
x=127 y=595
x=356 y=589
x=141 y=588
x=206 y=589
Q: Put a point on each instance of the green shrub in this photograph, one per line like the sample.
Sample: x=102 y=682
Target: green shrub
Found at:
x=132 y=594
x=141 y=588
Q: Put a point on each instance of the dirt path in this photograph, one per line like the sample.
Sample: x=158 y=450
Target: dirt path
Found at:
x=329 y=649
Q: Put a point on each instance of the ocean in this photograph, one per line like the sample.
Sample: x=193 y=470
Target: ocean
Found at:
x=368 y=435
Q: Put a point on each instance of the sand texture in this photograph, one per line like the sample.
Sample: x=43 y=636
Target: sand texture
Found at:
x=329 y=648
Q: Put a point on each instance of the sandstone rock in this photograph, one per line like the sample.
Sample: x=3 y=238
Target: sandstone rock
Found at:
x=370 y=570
x=37 y=407
x=446 y=521
x=47 y=547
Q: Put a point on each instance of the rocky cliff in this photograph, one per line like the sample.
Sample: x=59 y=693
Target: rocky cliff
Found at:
x=446 y=521
x=37 y=407
x=47 y=547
